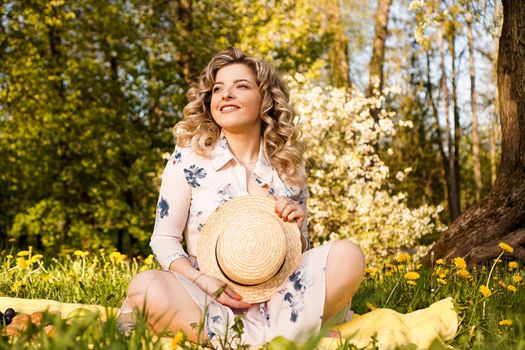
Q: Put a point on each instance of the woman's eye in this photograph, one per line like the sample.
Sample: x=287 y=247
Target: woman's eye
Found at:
x=243 y=86
x=215 y=89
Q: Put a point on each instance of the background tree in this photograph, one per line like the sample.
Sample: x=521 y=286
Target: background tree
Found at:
x=501 y=215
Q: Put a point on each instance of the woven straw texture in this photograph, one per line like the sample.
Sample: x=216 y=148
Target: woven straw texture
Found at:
x=246 y=245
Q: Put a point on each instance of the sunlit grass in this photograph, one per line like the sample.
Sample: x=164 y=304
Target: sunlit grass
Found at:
x=489 y=298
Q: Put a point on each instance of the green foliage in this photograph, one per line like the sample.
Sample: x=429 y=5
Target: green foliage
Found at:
x=89 y=92
x=102 y=278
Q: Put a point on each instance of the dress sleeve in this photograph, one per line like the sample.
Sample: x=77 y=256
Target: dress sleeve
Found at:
x=302 y=198
x=172 y=213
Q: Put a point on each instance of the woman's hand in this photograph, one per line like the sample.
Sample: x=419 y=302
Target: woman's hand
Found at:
x=220 y=292
x=288 y=209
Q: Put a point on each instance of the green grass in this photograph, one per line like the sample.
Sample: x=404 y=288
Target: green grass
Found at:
x=102 y=278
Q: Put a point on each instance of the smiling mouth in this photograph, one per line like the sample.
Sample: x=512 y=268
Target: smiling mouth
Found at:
x=228 y=109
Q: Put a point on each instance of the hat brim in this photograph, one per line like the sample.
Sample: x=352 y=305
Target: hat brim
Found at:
x=236 y=209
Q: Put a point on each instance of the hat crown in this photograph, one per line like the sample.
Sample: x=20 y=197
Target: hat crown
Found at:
x=250 y=252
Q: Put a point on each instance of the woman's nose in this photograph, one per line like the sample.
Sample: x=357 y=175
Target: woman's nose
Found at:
x=227 y=93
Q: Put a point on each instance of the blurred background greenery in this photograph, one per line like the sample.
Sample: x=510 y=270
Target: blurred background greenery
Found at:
x=89 y=92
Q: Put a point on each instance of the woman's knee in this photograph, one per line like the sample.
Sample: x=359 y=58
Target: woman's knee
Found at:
x=347 y=260
x=142 y=282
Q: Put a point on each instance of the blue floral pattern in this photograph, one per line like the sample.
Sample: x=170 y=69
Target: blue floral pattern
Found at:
x=193 y=174
x=299 y=281
x=224 y=194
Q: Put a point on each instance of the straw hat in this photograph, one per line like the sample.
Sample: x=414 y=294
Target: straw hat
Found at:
x=247 y=246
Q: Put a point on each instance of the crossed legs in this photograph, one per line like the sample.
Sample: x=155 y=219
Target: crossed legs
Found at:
x=169 y=306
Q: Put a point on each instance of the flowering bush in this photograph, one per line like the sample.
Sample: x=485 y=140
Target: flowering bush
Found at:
x=348 y=182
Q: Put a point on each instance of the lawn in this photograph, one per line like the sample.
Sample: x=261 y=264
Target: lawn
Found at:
x=489 y=299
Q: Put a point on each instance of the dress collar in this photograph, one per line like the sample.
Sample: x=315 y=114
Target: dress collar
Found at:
x=221 y=155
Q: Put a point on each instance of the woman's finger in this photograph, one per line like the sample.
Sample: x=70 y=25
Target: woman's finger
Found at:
x=295 y=215
x=225 y=299
x=290 y=208
x=232 y=293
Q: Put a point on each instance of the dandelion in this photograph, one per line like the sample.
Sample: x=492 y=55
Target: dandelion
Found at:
x=116 y=257
x=15 y=287
x=517 y=279
x=149 y=260
x=23 y=253
x=391 y=267
x=485 y=291
x=403 y=257
x=411 y=275
x=440 y=261
x=418 y=266
x=511 y=288
x=9 y=257
x=441 y=281
x=506 y=247
x=411 y=283
x=497 y=261
x=22 y=263
x=460 y=263
x=464 y=274
x=513 y=265
x=177 y=339
x=36 y=257
x=505 y=323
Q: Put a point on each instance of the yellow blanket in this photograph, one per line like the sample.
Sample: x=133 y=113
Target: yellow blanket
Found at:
x=391 y=328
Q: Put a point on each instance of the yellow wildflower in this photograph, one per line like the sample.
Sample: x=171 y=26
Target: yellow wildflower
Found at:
x=177 y=339
x=9 y=257
x=505 y=323
x=511 y=288
x=411 y=275
x=149 y=260
x=106 y=264
x=12 y=240
x=411 y=283
x=506 y=247
x=441 y=281
x=440 y=261
x=22 y=263
x=23 y=253
x=400 y=267
x=460 y=263
x=513 y=265
x=485 y=291
x=497 y=261
x=116 y=257
x=464 y=273
x=403 y=257
x=418 y=266
x=15 y=287
x=517 y=279
x=36 y=257
x=391 y=267
x=501 y=283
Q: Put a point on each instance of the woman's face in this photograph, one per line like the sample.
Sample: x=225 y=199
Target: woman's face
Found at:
x=236 y=99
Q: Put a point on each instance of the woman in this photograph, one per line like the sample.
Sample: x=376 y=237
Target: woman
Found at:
x=238 y=138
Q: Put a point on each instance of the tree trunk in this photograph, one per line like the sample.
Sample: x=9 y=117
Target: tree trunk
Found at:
x=338 y=52
x=474 y=117
x=500 y=217
x=457 y=127
x=378 y=48
x=452 y=194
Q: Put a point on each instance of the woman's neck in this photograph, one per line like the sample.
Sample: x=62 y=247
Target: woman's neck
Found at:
x=245 y=147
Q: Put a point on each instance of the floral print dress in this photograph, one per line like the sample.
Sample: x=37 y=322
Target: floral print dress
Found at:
x=192 y=187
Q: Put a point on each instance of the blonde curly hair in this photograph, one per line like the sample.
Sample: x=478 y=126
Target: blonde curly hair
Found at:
x=280 y=135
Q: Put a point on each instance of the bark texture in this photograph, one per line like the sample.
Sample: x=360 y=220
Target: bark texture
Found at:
x=378 y=49
x=500 y=217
